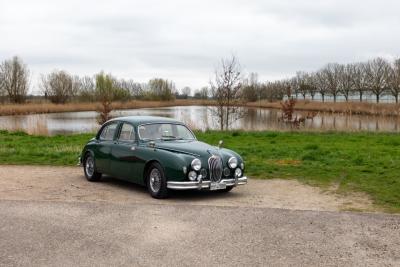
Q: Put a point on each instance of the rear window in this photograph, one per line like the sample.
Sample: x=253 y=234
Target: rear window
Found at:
x=108 y=132
x=127 y=133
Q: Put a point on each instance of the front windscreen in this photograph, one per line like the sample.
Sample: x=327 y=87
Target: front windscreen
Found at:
x=164 y=131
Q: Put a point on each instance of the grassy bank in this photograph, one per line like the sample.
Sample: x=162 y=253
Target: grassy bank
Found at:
x=382 y=109
x=351 y=161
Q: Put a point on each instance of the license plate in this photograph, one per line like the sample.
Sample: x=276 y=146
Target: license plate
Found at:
x=217 y=186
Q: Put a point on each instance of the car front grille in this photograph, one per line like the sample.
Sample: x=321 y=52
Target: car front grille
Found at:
x=215 y=166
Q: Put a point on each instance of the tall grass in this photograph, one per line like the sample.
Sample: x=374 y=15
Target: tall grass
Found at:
x=36 y=108
x=355 y=108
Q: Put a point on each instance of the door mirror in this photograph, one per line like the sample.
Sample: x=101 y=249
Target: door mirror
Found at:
x=152 y=144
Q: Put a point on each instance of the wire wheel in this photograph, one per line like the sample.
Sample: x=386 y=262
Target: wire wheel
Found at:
x=155 y=180
x=89 y=166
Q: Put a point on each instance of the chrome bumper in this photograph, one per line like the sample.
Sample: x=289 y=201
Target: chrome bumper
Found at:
x=205 y=184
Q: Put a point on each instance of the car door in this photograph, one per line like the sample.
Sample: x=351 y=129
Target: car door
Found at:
x=124 y=154
x=104 y=145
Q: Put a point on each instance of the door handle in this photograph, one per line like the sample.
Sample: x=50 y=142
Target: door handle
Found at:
x=133 y=148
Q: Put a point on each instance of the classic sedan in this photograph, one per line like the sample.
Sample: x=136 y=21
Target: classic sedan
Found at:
x=161 y=154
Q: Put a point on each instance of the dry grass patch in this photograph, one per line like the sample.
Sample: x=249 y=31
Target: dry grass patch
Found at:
x=356 y=108
x=45 y=107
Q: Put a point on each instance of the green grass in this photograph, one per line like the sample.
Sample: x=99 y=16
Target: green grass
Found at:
x=366 y=162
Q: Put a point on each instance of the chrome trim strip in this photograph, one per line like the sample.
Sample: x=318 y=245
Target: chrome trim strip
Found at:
x=205 y=184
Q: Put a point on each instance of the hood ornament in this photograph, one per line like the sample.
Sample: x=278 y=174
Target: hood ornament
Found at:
x=220 y=143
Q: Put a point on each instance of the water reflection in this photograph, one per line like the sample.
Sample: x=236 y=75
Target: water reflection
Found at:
x=197 y=117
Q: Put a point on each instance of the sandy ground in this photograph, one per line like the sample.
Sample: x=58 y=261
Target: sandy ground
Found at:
x=51 y=216
x=69 y=184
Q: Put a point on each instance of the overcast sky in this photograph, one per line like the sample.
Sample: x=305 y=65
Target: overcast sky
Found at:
x=184 y=40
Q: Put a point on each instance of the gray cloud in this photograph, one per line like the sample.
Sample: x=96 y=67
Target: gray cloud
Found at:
x=184 y=40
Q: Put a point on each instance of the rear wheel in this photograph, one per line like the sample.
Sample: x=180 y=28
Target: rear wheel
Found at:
x=156 y=181
x=89 y=168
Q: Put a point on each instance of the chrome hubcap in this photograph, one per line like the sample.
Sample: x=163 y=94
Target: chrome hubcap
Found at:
x=155 y=180
x=89 y=167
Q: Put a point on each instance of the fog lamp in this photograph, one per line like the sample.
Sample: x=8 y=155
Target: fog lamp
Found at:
x=238 y=172
x=192 y=175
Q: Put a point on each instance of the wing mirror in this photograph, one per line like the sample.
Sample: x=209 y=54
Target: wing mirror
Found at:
x=220 y=143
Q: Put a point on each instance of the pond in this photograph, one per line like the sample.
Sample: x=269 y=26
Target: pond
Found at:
x=198 y=117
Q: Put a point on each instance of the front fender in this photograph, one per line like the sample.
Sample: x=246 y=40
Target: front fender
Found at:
x=172 y=162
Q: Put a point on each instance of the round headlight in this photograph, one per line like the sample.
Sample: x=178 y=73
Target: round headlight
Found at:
x=196 y=164
x=242 y=166
x=232 y=162
x=238 y=172
x=192 y=175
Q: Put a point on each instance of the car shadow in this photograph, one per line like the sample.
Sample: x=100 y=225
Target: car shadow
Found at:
x=178 y=195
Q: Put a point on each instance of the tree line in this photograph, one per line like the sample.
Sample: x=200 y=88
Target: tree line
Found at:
x=376 y=77
x=60 y=87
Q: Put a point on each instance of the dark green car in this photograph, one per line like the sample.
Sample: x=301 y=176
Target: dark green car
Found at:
x=162 y=154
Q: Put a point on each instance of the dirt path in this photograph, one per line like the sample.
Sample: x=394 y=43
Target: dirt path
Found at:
x=69 y=184
x=51 y=216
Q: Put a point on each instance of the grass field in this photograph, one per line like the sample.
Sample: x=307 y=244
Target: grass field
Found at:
x=363 y=162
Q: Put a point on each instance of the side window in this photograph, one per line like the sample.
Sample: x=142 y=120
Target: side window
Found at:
x=108 y=132
x=127 y=133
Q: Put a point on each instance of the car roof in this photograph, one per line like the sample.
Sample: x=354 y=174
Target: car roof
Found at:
x=137 y=120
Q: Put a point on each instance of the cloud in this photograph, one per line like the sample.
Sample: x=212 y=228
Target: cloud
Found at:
x=184 y=40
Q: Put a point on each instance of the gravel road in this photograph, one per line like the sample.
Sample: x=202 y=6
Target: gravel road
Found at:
x=42 y=225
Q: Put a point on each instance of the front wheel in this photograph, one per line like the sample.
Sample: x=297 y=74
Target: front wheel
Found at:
x=156 y=181
x=90 y=170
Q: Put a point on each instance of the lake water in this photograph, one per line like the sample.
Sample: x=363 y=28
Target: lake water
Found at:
x=198 y=117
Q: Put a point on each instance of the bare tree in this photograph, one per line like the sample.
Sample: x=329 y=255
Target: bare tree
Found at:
x=295 y=86
x=160 y=89
x=57 y=86
x=186 y=91
x=105 y=94
x=86 y=91
x=301 y=82
x=331 y=72
x=286 y=87
x=345 y=76
x=394 y=80
x=311 y=84
x=377 y=72
x=251 y=88
x=134 y=88
x=14 y=79
x=226 y=89
x=3 y=91
x=204 y=91
x=201 y=93
x=359 y=79
x=321 y=84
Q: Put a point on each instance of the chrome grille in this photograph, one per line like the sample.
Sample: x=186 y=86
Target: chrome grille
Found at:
x=215 y=166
